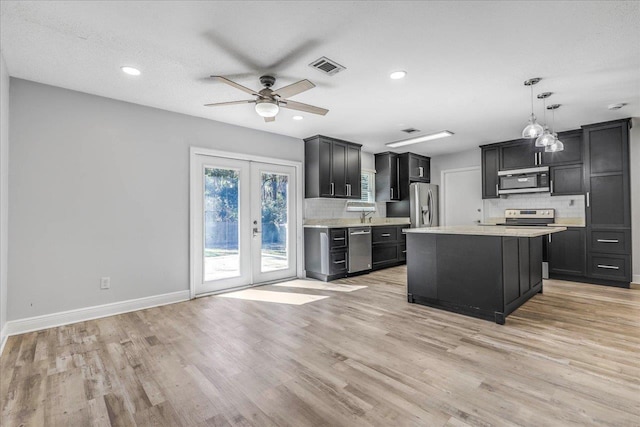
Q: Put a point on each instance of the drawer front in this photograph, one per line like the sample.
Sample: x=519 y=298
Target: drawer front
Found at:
x=611 y=267
x=402 y=237
x=611 y=241
x=337 y=238
x=384 y=234
x=338 y=262
x=384 y=254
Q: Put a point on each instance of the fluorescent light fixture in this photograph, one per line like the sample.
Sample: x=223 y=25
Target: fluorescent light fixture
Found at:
x=396 y=75
x=130 y=70
x=298 y=117
x=423 y=138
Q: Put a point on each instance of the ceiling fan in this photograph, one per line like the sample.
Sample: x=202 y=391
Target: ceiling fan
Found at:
x=268 y=101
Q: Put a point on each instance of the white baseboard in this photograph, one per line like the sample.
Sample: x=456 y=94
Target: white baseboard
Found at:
x=636 y=278
x=3 y=338
x=21 y=326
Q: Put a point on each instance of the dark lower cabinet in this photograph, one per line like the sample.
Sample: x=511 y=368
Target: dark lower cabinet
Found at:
x=388 y=246
x=567 y=252
x=325 y=253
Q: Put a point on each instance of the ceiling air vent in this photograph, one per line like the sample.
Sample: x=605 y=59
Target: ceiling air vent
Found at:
x=327 y=66
x=411 y=130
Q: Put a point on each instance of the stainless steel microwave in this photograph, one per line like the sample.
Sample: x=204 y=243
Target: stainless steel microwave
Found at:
x=529 y=180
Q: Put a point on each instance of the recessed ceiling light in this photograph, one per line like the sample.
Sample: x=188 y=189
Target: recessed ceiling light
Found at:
x=298 y=117
x=423 y=138
x=130 y=70
x=396 y=75
x=616 y=106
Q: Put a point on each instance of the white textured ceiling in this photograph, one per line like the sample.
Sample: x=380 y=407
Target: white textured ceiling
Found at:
x=466 y=61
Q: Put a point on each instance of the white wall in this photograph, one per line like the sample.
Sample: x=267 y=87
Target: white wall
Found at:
x=4 y=192
x=101 y=188
x=635 y=196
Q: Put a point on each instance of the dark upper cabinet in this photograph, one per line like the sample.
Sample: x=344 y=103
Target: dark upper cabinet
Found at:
x=566 y=180
x=519 y=154
x=332 y=168
x=354 y=187
x=572 y=152
x=490 y=164
x=418 y=167
x=567 y=252
x=387 y=179
x=607 y=180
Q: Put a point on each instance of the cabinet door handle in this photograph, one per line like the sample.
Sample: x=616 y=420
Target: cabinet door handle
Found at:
x=348 y=189
x=340 y=262
x=549 y=238
x=608 y=241
x=535 y=159
x=420 y=171
x=332 y=188
x=588 y=199
x=392 y=193
x=385 y=235
x=609 y=267
x=551 y=187
x=404 y=252
x=338 y=238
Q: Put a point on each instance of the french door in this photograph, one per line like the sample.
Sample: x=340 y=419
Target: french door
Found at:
x=244 y=223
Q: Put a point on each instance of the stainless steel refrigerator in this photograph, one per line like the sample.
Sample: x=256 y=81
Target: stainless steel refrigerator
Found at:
x=423 y=205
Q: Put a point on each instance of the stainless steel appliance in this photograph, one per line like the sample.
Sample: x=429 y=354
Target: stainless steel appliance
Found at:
x=529 y=180
x=423 y=205
x=359 y=249
x=532 y=218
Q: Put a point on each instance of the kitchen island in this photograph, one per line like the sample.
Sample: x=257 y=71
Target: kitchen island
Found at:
x=480 y=271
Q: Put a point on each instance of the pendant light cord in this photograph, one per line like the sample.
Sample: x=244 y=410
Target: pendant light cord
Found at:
x=531 y=86
x=544 y=112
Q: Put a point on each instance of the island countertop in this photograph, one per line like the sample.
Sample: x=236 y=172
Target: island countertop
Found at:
x=488 y=230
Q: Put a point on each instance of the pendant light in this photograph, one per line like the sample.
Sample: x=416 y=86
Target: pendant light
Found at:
x=533 y=129
x=546 y=138
x=557 y=145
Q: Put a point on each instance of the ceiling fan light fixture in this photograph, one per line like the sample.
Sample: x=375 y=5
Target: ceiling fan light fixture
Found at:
x=298 y=117
x=132 y=71
x=267 y=108
x=423 y=138
x=397 y=75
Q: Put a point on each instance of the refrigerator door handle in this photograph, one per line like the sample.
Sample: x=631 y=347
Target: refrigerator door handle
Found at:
x=430 y=208
x=418 y=207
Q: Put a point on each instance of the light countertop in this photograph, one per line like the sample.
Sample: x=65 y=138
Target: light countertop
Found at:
x=488 y=230
x=354 y=222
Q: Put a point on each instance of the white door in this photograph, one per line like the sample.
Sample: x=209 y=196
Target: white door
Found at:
x=461 y=196
x=244 y=223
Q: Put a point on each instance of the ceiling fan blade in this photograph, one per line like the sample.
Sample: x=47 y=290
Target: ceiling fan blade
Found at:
x=294 y=89
x=217 y=104
x=292 y=105
x=236 y=85
x=270 y=119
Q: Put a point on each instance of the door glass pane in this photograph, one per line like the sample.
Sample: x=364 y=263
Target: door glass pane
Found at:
x=275 y=201
x=221 y=255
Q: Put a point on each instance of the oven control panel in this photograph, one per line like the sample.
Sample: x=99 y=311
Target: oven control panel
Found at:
x=530 y=213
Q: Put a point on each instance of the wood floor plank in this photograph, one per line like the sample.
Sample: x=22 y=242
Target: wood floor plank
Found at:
x=567 y=357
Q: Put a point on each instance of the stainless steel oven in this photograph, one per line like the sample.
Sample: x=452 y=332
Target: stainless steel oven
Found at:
x=529 y=180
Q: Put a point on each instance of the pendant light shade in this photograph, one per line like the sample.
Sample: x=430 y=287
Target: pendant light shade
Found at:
x=533 y=129
x=556 y=145
x=546 y=138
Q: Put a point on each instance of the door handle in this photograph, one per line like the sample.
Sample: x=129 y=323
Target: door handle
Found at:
x=256 y=231
x=609 y=267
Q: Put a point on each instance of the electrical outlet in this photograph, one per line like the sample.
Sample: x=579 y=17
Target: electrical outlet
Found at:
x=105 y=282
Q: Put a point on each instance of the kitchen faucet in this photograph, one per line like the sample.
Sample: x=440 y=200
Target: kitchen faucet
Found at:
x=363 y=216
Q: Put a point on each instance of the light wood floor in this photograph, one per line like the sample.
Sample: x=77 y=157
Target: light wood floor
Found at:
x=568 y=357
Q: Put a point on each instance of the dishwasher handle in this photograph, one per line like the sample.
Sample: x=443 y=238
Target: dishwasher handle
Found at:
x=355 y=233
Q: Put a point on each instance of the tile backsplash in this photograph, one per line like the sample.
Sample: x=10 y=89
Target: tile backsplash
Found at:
x=336 y=208
x=565 y=206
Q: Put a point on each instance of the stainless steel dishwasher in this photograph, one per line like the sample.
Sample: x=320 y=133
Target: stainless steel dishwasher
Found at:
x=359 y=249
